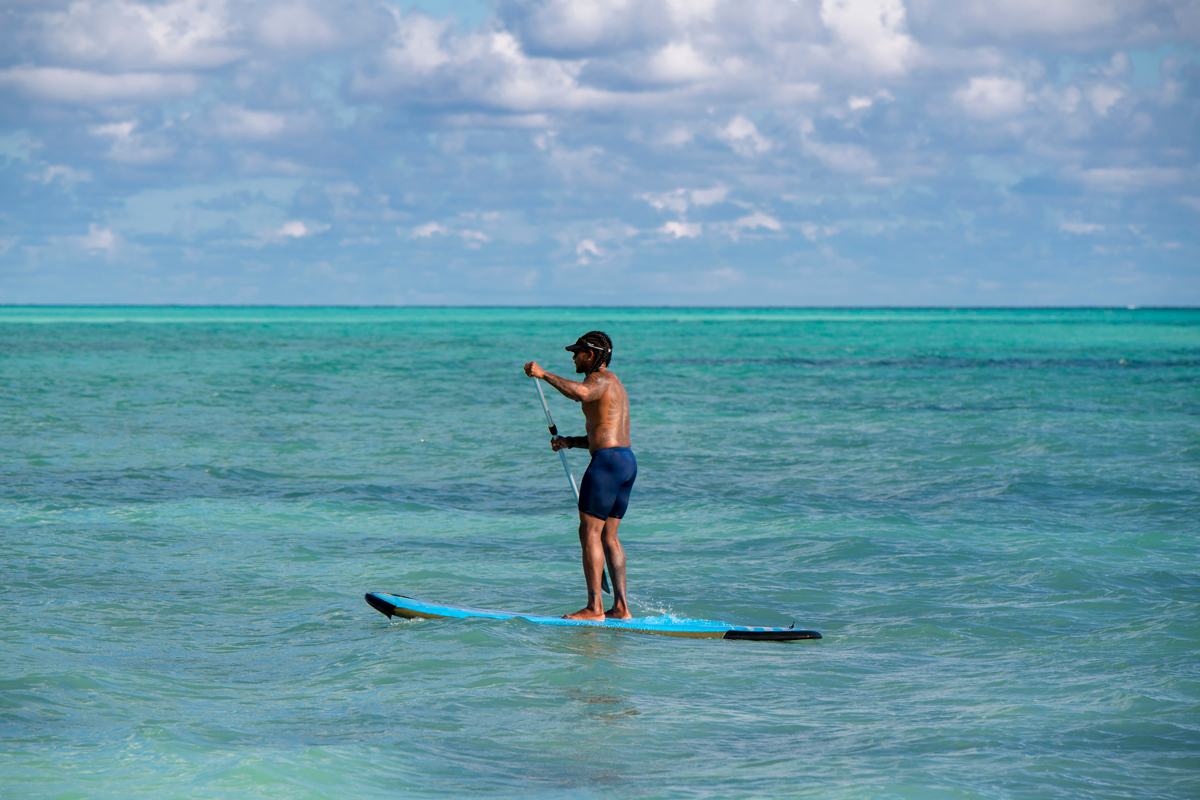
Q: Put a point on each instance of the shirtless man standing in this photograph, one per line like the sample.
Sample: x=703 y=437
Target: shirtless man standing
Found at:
x=604 y=491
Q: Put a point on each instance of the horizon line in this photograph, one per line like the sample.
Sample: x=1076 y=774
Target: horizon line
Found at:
x=493 y=306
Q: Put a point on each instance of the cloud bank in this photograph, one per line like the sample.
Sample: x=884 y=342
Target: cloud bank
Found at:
x=806 y=152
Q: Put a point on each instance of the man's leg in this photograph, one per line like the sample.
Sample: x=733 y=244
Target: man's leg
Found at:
x=614 y=554
x=590 y=534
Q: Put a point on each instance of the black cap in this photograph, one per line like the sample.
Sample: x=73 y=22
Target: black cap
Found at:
x=592 y=340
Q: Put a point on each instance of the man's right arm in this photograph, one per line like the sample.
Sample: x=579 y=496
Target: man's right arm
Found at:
x=590 y=388
x=587 y=390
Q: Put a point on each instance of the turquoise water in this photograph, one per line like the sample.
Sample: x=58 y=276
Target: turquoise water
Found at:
x=991 y=515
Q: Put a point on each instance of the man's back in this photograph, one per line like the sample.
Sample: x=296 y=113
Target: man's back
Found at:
x=607 y=416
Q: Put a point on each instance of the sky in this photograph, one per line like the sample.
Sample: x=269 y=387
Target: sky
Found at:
x=573 y=152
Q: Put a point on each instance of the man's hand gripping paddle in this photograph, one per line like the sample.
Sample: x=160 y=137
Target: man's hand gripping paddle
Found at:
x=566 y=468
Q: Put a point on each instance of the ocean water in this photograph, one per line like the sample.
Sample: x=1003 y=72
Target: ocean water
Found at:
x=992 y=515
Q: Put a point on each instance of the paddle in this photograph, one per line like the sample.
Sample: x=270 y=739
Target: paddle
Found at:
x=566 y=467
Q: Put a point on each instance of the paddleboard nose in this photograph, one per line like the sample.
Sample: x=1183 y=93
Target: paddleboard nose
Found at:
x=379 y=604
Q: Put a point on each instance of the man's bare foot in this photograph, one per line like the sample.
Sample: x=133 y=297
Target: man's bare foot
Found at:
x=618 y=613
x=586 y=613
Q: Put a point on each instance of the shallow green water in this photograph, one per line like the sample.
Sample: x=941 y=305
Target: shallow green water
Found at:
x=991 y=515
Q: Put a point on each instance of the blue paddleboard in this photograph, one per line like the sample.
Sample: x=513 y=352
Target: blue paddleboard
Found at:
x=397 y=605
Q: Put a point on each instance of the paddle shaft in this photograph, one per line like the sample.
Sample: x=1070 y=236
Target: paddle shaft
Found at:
x=553 y=433
x=566 y=467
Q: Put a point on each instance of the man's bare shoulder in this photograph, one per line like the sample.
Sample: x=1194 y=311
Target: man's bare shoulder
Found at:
x=599 y=379
x=600 y=382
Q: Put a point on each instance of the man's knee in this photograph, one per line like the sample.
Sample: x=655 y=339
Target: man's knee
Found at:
x=590 y=526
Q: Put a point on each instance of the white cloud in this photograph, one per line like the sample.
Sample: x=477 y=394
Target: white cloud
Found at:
x=296 y=26
x=672 y=54
x=678 y=201
x=427 y=62
x=430 y=229
x=575 y=28
x=115 y=130
x=1120 y=179
x=236 y=122
x=677 y=136
x=742 y=135
x=1118 y=67
x=847 y=158
x=62 y=174
x=872 y=32
x=596 y=239
x=99 y=240
x=95 y=88
x=675 y=200
x=1080 y=228
x=127 y=35
x=293 y=229
x=587 y=250
x=757 y=221
x=471 y=237
x=710 y=196
x=864 y=102
x=586 y=163
x=681 y=230
x=486 y=119
x=127 y=145
x=257 y=163
x=985 y=21
x=812 y=231
x=520 y=83
x=990 y=97
x=678 y=62
x=296 y=229
x=1103 y=97
x=417 y=46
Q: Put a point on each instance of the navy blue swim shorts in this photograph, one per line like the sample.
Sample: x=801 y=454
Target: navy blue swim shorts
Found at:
x=604 y=491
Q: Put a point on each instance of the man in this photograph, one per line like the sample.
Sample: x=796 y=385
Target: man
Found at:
x=604 y=491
